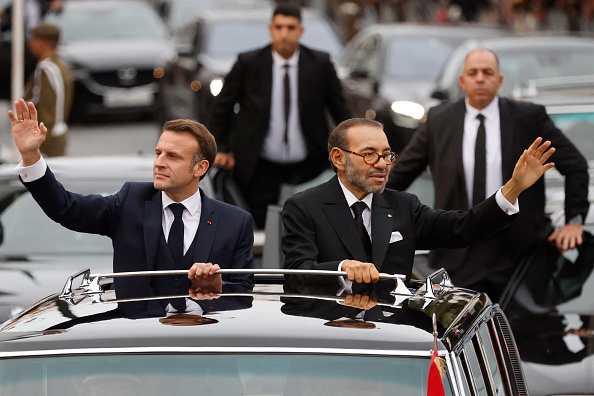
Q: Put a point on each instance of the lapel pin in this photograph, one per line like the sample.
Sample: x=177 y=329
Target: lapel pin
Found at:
x=208 y=222
x=389 y=215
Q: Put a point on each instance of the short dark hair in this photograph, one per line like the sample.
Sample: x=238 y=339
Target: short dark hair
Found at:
x=287 y=8
x=338 y=137
x=207 y=146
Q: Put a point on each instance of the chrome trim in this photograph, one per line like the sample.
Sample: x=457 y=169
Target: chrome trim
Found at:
x=452 y=373
x=226 y=350
x=455 y=363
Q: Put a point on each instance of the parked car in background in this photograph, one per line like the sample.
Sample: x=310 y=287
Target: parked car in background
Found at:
x=117 y=50
x=178 y=14
x=209 y=46
x=521 y=59
x=36 y=254
x=388 y=71
x=264 y=342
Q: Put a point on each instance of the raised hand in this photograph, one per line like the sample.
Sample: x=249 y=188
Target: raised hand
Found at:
x=529 y=168
x=27 y=132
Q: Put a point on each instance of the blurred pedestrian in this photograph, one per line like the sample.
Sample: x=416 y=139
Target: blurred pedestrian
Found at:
x=470 y=147
x=280 y=133
x=50 y=88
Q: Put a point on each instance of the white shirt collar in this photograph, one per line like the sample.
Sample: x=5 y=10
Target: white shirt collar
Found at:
x=491 y=111
x=193 y=204
x=279 y=61
x=351 y=199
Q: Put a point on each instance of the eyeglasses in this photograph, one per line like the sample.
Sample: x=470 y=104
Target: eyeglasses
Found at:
x=373 y=157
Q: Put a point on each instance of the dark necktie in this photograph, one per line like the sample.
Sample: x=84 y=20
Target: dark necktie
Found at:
x=287 y=93
x=176 y=233
x=480 y=164
x=358 y=208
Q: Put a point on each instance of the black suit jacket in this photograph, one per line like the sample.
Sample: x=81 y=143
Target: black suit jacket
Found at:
x=249 y=83
x=132 y=218
x=438 y=144
x=321 y=232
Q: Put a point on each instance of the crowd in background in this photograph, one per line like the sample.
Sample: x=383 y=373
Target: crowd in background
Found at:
x=522 y=16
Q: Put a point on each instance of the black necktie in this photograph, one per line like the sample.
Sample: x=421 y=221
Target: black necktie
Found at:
x=287 y=93
x=480 y=164
x=358 y=208
x=176 y=233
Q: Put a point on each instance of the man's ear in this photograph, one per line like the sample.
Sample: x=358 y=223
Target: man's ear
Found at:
x=338 y=158
x=200 y=168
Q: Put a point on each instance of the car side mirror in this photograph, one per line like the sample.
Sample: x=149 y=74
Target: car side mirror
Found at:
x=440 y=94
x=359 y=74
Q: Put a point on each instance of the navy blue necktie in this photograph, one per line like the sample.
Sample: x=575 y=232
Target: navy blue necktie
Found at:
x=176 y=233
x=479 y=185
x=358 y=208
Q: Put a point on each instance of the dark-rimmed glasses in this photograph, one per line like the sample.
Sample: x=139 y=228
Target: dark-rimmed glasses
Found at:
x=372 y=158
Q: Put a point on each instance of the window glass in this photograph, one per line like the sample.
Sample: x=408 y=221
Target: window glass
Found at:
x=180 y=374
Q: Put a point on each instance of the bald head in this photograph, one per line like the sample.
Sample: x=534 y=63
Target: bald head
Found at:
x=480 y=79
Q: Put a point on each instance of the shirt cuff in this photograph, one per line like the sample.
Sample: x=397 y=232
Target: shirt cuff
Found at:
x=33 y=172
x=344 y=283
x=505 y=205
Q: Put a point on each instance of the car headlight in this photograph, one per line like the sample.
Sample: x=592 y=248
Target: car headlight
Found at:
x=216 y=86
x=407 y=114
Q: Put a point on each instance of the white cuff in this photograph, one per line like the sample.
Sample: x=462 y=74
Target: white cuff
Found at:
x=33 y=172
x=505 y=205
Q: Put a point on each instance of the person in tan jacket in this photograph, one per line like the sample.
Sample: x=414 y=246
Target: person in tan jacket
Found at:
x=50 y=88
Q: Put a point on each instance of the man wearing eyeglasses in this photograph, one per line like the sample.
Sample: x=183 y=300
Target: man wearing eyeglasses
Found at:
x=352 y=223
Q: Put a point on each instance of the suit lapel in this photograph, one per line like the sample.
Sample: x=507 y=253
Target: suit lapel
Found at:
x=153 y=228
x=506 y=126
x=302 y=83
x=339 y=215
x=381 y=228
x=206 y=230
x=456 y=133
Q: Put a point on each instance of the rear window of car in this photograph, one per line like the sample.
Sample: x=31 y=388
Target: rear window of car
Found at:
x=245 y=374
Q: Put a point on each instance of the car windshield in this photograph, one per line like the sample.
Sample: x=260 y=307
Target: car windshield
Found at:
x=183 y=12
x=113 y=23
x=429 y=55
x=232 y=37
x=26 y=230
x=179 y=374
x=578 y=128
x=520 y=66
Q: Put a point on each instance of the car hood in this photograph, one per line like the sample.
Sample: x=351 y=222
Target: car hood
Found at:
x=217 y=65
x=111 y=55
x=26 y=280
x=414 y=90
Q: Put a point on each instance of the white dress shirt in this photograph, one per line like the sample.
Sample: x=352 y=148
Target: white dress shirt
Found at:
x=492 y=146
x=190 y=217
x=274 y=148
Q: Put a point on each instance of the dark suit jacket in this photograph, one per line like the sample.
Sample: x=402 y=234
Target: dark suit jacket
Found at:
x=249 y=83
x=132 y=218
x=438 y=144
x=321 y=232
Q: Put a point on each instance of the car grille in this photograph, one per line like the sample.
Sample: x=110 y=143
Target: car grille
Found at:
x=514 y=358
x=111 y=79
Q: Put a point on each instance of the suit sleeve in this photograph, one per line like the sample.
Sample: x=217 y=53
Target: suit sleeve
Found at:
x=570 y=163
x=299 y=242
x=93 y=214
x=222 y=109
x=412 y=161
x=242 y=256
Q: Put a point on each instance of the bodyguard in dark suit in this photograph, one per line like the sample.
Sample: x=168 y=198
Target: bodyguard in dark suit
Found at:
x=280 y=133
x=322 y=232
x=446 y=143
x=141 y=218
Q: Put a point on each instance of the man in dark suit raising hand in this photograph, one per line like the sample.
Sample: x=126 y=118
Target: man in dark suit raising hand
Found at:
x=324 y=224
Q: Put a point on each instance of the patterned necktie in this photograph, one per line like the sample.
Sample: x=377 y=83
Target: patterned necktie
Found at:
x=287 y=95
x=176 y=233
x=358 y=208
x=480 y=164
